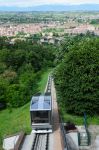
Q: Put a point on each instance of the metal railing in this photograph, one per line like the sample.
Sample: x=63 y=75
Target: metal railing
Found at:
x=87 y=132
x=66 y=146
x=86 y=128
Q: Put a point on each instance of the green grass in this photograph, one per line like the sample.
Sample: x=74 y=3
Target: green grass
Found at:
x=75 y=119
x=78 y=120
x=16 y=120
x=43 y=82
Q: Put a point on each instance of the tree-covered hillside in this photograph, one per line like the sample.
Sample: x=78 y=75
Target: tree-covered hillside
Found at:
x=20 y=69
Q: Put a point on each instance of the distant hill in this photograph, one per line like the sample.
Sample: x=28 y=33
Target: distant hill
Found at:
x=83 y=7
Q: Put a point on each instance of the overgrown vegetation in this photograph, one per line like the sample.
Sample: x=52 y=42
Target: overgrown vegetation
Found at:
x=77 y=76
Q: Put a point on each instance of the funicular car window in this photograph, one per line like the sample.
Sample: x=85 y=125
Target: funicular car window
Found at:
x=41 y=117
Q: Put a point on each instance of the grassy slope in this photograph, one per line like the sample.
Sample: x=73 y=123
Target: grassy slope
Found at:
x=18 y=119
x=43 y=82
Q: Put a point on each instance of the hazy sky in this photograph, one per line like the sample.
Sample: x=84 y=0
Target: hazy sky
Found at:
x=27 y=3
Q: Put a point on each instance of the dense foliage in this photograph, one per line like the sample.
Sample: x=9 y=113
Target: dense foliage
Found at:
x=20 y=68
x=77 y=77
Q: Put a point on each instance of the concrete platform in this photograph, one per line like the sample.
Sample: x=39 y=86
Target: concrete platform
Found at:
x=10 y=142
x=97 y=142
x=28 y=142
x=81 y=128
x=73 y=139
x=51 y=141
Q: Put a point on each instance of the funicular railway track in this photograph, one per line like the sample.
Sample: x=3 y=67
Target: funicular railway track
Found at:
x=41 y=141
x=42 y=137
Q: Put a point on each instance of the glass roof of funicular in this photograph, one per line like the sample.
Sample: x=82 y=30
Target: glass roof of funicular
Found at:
x=40 y=102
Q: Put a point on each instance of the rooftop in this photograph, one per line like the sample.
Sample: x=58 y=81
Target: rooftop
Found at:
x=40 y=102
